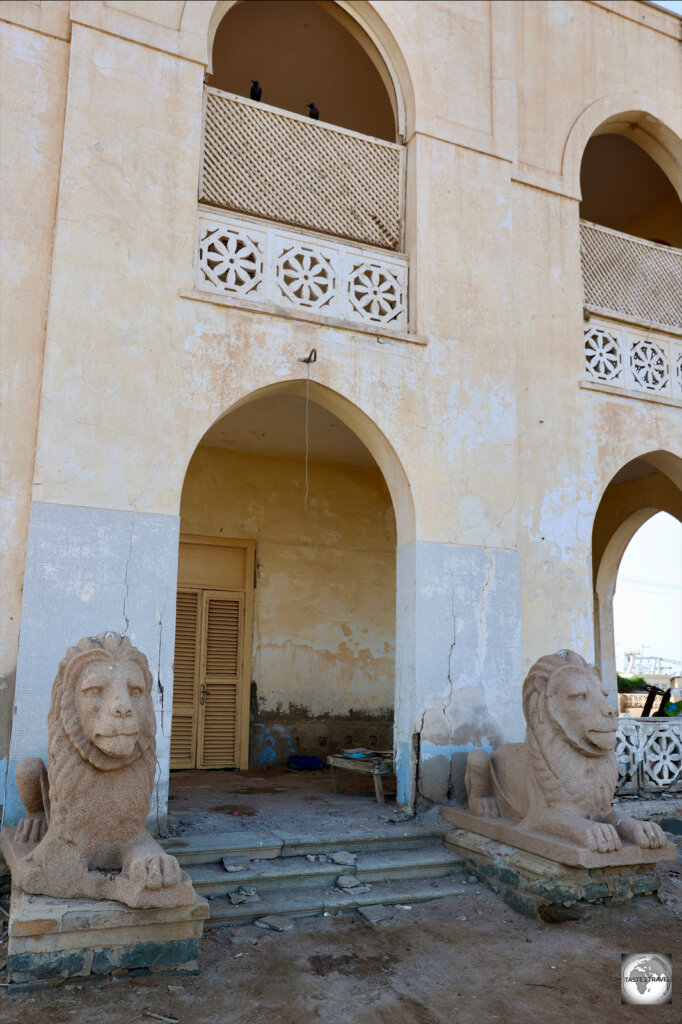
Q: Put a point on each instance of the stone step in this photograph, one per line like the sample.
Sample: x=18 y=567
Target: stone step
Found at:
x=297 y=872
x=237 y=847
x=309 y=902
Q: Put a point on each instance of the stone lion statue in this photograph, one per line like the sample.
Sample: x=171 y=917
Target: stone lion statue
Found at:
x=562 y=779
x=84 y=832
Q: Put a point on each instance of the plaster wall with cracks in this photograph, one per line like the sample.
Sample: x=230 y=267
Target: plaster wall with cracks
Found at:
x=125 y=582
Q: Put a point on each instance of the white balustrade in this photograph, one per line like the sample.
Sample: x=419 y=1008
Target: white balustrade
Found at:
x=633 y=359
x=649 y=756
x=262 y=263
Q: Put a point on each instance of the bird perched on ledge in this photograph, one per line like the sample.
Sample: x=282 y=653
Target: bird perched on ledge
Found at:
x=256 y=91
x=313 y=112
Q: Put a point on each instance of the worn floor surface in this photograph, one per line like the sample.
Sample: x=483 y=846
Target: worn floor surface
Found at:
x=262 y=801
x=464 y=960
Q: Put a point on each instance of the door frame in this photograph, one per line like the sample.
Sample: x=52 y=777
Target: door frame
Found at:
x=244 y=689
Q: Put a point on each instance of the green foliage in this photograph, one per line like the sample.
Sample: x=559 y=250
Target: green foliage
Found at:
x=632 y=684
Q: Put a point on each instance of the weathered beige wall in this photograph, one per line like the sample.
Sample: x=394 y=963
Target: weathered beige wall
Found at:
x=324 y=604
x=434 y=405
x=484 y=436
x=570 y=55
x=33 y=70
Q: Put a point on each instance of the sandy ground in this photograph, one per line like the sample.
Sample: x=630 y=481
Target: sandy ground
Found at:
x=463 y=960
x=466 y=959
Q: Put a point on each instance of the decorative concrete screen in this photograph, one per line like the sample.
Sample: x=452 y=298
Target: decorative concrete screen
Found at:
x=632 y=359
x=649 y=756
x=631 y=277
x=270 y=163
x=266 y=264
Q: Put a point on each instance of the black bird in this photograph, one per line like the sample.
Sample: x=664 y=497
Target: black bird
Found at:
x=314 y=112
x=256 y=91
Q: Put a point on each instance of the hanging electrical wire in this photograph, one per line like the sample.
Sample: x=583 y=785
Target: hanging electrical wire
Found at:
x=310 y=358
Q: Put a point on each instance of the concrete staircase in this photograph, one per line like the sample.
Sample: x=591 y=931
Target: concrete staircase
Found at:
x=402 y=865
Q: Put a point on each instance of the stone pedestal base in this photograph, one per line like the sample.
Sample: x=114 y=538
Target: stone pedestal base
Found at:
x=509 y=831
x=54 y=939
x=538 y=887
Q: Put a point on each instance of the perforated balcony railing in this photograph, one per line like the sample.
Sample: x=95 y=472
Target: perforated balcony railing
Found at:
x=272 y=164
x=649 y=756
x=630 y=277
x=633 y=297
x=269 y=266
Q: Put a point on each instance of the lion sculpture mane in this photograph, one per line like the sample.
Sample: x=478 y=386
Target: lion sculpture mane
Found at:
x=84 y=832
x=561 y=781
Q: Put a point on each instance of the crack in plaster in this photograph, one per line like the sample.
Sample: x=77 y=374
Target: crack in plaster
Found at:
x=452 y=647
x=158 y=663
x=481 y=610
x=126 y=585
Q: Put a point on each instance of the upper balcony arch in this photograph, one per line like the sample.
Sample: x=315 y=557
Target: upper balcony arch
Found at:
x=629 y=163
x=634 y=116
x=302 y=215
x=357 y=17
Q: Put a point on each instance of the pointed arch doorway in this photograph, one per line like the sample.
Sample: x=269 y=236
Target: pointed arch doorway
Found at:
x=310 y=579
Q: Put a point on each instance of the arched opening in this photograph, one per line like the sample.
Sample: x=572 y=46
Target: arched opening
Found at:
x=644 y=487
x=303 y=52
x=624 y=188
x=647 y=611
x=285 y=634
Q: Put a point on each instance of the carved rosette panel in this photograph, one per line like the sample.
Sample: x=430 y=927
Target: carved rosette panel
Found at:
x=231 y=260
x=649 y=365
x=603 y=355
x=274 y=266
x=649 y=756
x=627 y=758
x=374 y=292
x=662 y=758
x=677 y=387
x=305 y=276
x=618 y=356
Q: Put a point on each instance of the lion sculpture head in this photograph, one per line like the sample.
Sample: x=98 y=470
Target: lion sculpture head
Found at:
x=102 y=700
x=101 y=720
x=570 y=722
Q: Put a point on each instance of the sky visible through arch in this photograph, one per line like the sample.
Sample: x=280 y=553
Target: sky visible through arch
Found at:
x=647 y=607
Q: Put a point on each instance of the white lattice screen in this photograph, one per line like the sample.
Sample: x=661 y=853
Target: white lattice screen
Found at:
x=273 y=164
x=630 y=276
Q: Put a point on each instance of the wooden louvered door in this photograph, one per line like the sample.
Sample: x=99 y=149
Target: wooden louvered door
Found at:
x=222 y=652
x=186 y=679
x=212 y=666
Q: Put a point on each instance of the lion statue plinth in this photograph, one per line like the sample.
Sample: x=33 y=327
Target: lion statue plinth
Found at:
x=84 y=833
x=561 y=781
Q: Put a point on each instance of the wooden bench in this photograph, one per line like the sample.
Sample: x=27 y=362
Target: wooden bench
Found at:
x=374 y=766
